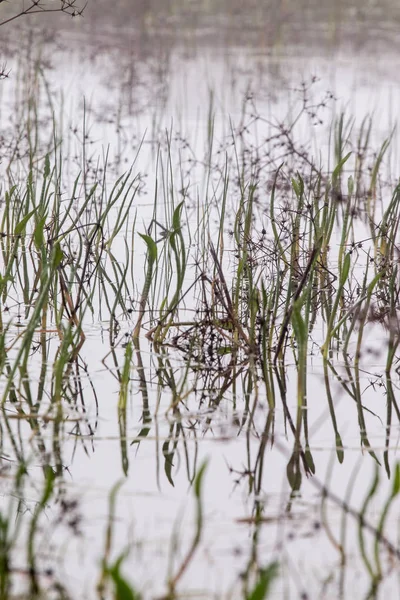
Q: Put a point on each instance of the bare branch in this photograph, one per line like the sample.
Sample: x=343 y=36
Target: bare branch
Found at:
x=68 y=7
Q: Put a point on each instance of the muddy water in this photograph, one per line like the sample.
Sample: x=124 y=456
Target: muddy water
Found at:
x=133 y=86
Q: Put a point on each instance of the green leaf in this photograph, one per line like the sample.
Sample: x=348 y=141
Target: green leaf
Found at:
x=151 y=246
x=293 y=472
x=5 y=279
x=58 y=255
x=176 y=218
x=396 y=480
x=123 y=591
x=373 y=283
x=49 y=485
x=339 y=448
x=20 y=227
x=38 y=235
x=263 y=585
x=299 y=326
x=298 y=186
x=346 y=269
x=309 y=460
x=199 y=479
x=168 y=462
x=339 y=166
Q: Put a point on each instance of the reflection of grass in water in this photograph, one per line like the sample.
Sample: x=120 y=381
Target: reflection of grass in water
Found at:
x=262 y=23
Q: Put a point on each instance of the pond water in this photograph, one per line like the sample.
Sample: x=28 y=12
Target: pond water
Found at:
x=199 y=261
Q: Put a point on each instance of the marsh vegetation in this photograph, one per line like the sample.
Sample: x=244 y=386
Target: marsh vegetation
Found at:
x=199 y=331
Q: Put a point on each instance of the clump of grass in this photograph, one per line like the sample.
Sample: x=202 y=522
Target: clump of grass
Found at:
x=265 y=291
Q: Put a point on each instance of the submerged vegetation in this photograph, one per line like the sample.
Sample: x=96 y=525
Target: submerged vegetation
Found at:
x=252 y=301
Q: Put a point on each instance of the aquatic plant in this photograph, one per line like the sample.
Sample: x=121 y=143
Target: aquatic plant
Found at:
x=216 y=311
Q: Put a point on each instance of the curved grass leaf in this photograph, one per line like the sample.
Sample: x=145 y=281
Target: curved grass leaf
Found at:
x=265 y=579
x=21 y=225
